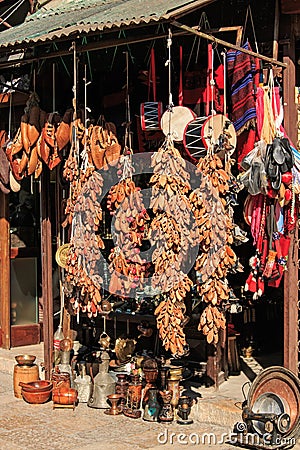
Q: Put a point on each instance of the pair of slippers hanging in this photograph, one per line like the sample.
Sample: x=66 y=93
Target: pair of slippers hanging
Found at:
x=279 y=160
x=255 y=178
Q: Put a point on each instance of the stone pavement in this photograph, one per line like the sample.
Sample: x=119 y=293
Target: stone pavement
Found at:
x=27 y=427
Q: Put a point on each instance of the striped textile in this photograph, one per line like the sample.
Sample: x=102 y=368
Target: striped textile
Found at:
x=241 y=71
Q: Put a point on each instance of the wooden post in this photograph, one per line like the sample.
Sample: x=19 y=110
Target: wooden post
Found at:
x=290 y=358
x=276 y=30
x=289 y=83
x=46 y=247
x=290 y=311
x=4 y=273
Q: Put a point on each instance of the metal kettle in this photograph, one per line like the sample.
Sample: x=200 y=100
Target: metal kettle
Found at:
x=103 y=384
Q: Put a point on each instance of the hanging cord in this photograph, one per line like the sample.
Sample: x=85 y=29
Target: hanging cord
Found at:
x=74 y=79
x=212 y=83
x=180 y=94
x=9 y=8
x=16 y=7
x=148 y=53
x=225 y=82
x=168 y=63
x=84 y=155
x=10 y=111
x=249 y=13
x=203 y=23
x=127 y=140
x=127 y=155
x=75 y=143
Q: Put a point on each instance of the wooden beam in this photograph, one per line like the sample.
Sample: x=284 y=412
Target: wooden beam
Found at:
x=237 y=28
x=228 y=44
x=46 y=247
x=4 y=272
x=92 y=46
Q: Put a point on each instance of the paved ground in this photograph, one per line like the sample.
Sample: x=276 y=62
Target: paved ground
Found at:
x=27 y=427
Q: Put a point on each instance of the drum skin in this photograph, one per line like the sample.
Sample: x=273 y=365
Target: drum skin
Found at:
x=174 y=122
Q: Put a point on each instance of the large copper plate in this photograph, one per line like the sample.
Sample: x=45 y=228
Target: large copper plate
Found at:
x=283 y=383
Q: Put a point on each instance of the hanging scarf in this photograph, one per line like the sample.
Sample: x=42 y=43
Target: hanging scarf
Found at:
x=241 y=73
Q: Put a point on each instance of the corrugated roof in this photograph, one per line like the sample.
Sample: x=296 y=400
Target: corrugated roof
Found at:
x=72 y=17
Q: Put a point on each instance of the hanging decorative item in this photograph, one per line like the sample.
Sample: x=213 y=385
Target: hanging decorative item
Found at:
x=215 y=226
x=23 y=151
x=61 y=255
x=151 y=111
x=127 y=267
x=175 y=118
x=202 y=131
x=172 y=237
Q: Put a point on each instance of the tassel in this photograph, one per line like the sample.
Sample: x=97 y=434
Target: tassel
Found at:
x=270 y=264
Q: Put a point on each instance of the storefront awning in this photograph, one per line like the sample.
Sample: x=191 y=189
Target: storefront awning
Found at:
x=70 y=18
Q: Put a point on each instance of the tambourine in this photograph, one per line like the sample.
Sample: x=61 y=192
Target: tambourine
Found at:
x=175 y=120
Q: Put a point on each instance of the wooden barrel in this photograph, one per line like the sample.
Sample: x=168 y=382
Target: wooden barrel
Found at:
x=24 y=374
x=64 y=396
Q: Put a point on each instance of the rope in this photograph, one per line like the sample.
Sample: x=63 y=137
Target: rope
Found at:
x=18 y=4
x=168 y=63
x=10 y=113
x=249 y=13
x=225 y=83
x=202 y=22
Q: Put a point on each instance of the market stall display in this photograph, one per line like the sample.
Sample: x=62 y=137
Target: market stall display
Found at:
x=108 y=222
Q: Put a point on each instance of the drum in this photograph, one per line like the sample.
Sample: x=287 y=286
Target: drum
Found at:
x=193 y=139
x=174 y=122
x=151 y=113
x=216 y=131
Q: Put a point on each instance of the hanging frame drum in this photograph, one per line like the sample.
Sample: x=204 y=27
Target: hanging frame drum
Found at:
x=174 y=121
x=215 y=131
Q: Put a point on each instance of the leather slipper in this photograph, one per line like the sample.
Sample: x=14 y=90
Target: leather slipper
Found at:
x=278 y=153
x=276 y=182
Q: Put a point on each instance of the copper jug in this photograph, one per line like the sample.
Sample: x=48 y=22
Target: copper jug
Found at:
x=103 y=384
